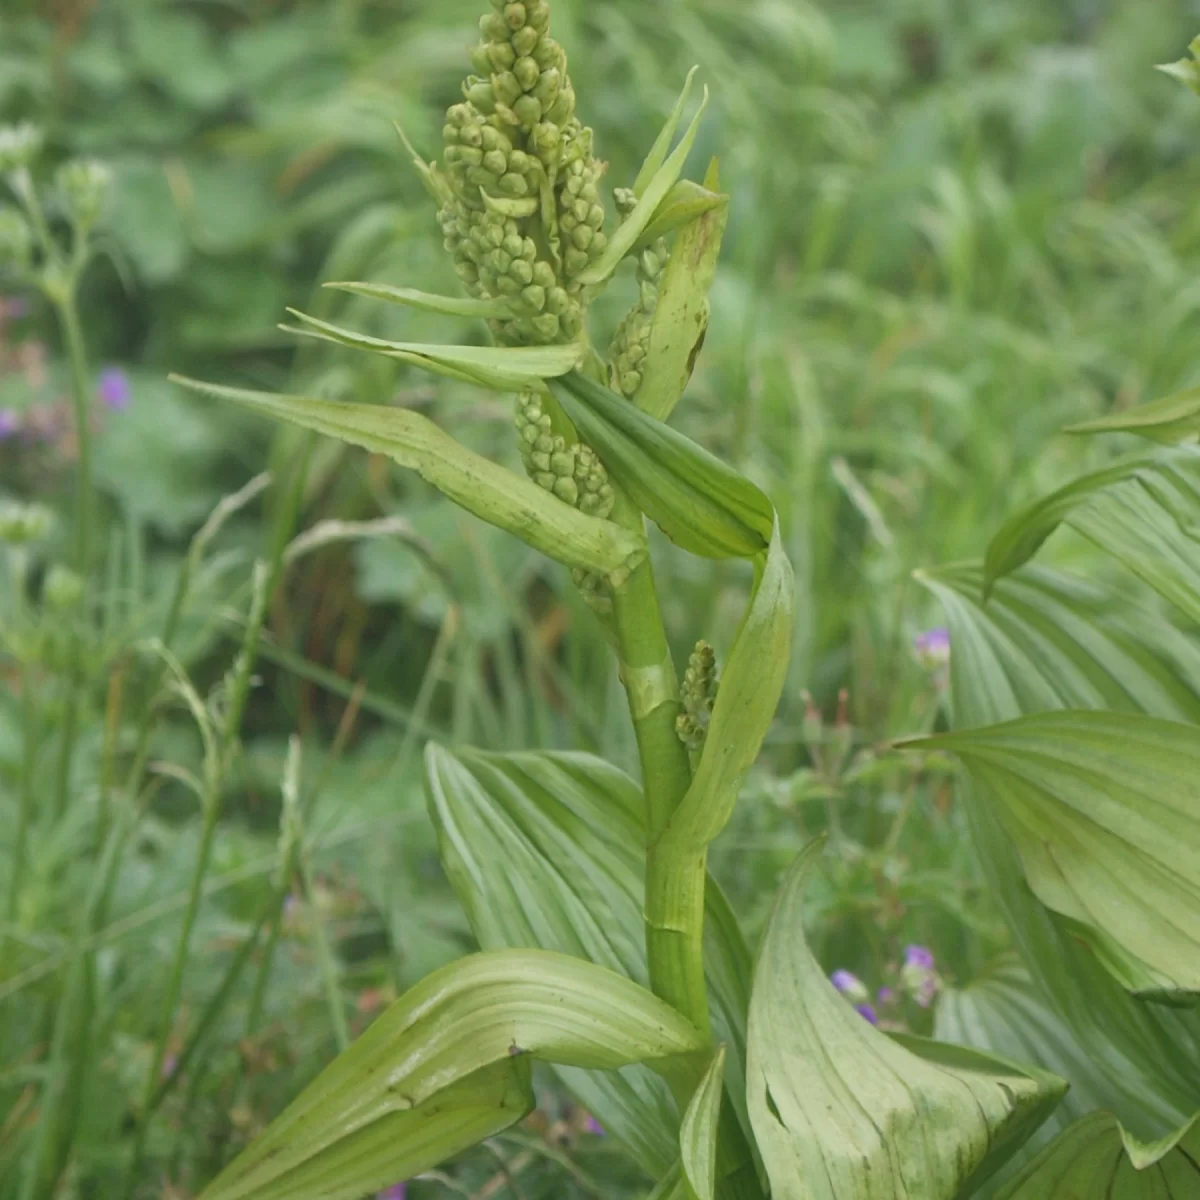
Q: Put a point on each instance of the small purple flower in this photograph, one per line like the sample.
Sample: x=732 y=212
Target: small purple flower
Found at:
x=114 y=389
x=15 y=307
x=398 y=1191
x=10 y=423
x=593 y=1126
x=170 y=1066
x=867 y=1013
x=886 y=996
x=933 y=648
x=850 y=986
x=918 y=956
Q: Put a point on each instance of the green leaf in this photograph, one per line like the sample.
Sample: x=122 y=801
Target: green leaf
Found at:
x=1186 y=70
x=698 y=1133
x=1050 y=641
x=842 y=1111
x=681 y=316
x=546 y=850
x=684 y=204
x=698 y=501
x=662 y=143
x=406 y=1143
x=485 y=1009
x=1145 y=513
x=655 y=192
x=1096 y=1157
x=1024 y=534
x=450 y=306
x=480 y=486
x=1170 y=420
x=500 y=368
x=1103 y=809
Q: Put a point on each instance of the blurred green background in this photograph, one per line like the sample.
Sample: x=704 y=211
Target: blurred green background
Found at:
x=955 y=228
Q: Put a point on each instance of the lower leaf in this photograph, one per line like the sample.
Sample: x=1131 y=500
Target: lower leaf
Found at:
x=841 y=1111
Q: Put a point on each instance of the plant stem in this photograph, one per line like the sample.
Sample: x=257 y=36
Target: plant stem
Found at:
x=63 y=298
x=674 y=951
x=27 y=792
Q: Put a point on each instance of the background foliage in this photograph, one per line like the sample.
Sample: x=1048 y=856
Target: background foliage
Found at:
x=954 y=229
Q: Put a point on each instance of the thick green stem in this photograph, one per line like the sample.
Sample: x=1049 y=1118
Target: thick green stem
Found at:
x=28 y=793
x=675 y=955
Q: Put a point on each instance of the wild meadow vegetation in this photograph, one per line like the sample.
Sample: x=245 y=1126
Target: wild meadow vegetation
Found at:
x=796 y=797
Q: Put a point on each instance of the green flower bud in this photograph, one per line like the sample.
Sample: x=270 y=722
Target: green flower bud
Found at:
x=525 y=40
x=21 y=524
x=20 y=145
x=527 y=73
x=481 y=59
x=528 y=111
x=63 y=589
x=16 y=240
x=84 y=185
x=698 y=695
x=514 y=15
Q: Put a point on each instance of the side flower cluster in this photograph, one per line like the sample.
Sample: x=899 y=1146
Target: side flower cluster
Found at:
x=524 y=218
x=572 y=472
x=698 y=695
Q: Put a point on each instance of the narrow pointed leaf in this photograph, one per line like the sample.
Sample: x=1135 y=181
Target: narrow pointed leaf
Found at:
x=656 y=189
x=1172 y=419
x=450 y=306
x=681 y=316
x=545 y=850
x=684 y=204
x=479 y=1011
x=1104 y=810
x=1051 y=641
x=1096 y=1158
x=403 y=1144
x=477 y=484
x=499 y=367
x=698 y=501
x=662 y=143
x=698 y=1133
x=843 y=1112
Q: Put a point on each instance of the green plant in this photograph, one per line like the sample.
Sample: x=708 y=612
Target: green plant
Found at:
x=605 y=944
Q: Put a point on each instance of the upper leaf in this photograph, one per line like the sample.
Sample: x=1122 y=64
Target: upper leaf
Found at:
x=450 y=306
x=697 y=500
x=481 y=1010
x=1172 y=419
x=843 y=1112
x=476 y=483
x=1104 y=809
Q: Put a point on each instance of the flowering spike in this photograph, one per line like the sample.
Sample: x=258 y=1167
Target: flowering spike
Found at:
x=699 y=694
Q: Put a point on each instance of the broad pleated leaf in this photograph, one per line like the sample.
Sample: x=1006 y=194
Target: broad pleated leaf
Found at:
x=681 y=315
x=1104 y=810
x=1050 y=641
x=484 y=1009
x=479 y=485
x=450 y=306
x=1171 y=420
x=545 y=849
x=698 y=501
x=502 y=368
x=651 y=192
x=1144 y=512
x=1002 y=1012
x=406 y=1143
x=841 y=1111
x=1096 y=1158
x=698 y=1132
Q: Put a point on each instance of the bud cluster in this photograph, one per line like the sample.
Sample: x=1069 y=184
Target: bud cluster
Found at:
x=631 y=343
x=83 y=184
x=698 y=695
x=524 y=218
x=572 y=472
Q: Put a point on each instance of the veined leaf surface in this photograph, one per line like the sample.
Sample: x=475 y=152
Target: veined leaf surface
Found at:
x=841 y=1111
